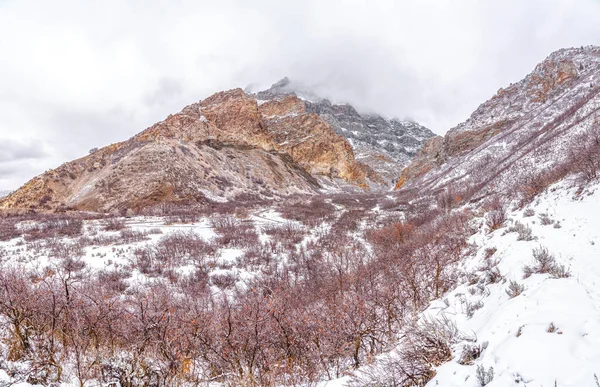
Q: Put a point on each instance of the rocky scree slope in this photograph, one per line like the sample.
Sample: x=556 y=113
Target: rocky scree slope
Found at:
x=216 y=149
x=527 y=129
x=386 y=145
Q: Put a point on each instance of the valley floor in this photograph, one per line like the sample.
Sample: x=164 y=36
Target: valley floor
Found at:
x=543 y=330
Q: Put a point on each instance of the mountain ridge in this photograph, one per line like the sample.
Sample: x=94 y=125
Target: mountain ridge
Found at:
x=554 y=103
x=272 y=149
x=383 y=143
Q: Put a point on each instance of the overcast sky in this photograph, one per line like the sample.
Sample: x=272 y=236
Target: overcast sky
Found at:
x=80 y=74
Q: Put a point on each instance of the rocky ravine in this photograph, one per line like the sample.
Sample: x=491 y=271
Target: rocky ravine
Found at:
x=387 y=145
x=217 y=149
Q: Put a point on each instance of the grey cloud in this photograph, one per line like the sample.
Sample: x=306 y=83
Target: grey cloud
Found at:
x=11 y=150
x=166 y=91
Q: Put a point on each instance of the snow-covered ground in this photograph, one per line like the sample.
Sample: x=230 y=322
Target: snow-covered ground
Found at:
x=549 y=335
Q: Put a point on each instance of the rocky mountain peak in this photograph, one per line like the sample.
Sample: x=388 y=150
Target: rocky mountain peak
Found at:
x=387 y=145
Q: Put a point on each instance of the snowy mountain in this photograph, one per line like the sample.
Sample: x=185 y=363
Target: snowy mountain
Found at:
x=386 y=145
x=481 y=269
x=4 y=193
x=527 y=127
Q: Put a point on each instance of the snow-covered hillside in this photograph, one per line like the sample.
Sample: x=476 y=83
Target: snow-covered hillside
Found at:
x=550 y=333
x=514 y=329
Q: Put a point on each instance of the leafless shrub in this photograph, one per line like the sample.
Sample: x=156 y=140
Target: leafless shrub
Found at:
x=471 y=352
x=176 y=248
x=127 y=236
x=489 y=252
x=496 y=216
x=113 y=224
x=426 y=345
x=8 y=230
x=524 y=232
x=494 y=275
x=54 y=226
x=490 y=267
x=514 y=289
x=551 y=328
x=223 y=281
x=484 y=377
x=289 y=232
x=472 y=307
x=100 y=240
x=534 y=184
x=309 y=211
x=495 y=219
x=585 y=157
x=114 y=280
x=447 y=199
x=257 y=256
x=529 y=213
x=242 y=236
x=348 y=221
x=392 y=371
x=545 y=219
x=545 y=263
x=560 y=271
x=221 y=223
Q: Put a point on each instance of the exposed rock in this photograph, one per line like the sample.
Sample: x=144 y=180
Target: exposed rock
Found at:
x=215 y=149
x=312 y=143
x=385 y=145
x=527 y=126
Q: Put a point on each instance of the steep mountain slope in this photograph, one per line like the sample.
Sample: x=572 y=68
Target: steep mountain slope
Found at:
x=217 y=149
x=529 y=127
x=386 y=145
x=523 y=307
x=547 y=332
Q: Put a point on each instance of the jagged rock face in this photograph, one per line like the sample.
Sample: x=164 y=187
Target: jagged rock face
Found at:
x=227 y=117
x=283 y=126
x=527 y=125
x=384 y=145
x=215 y=149
x=311 y=142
